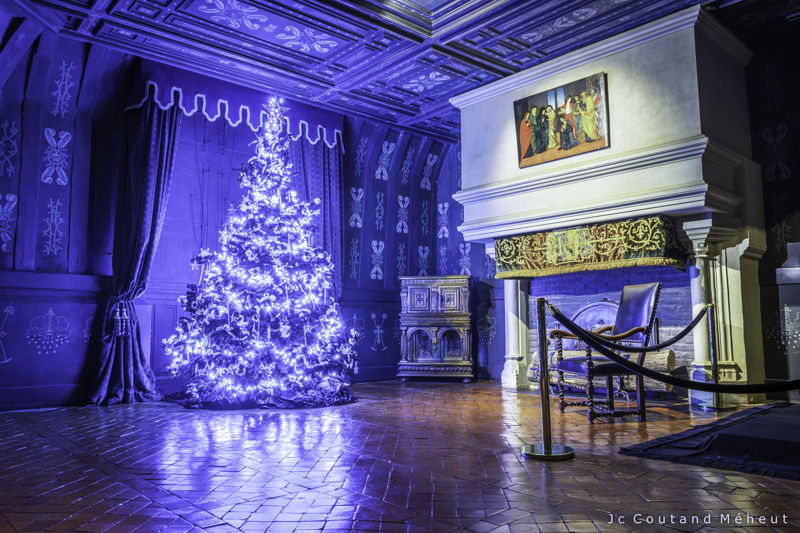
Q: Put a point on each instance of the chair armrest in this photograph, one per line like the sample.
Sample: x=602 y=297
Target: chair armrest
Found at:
x=568 y=335
x=561 y=334
x=622 y=335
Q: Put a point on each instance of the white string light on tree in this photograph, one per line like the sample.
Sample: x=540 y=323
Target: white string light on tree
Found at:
x=262 y=327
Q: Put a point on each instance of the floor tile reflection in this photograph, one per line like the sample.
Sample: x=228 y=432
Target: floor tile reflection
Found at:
x=407 y=457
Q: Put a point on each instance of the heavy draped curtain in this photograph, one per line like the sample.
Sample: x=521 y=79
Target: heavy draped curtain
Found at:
x=150 y=143
x=317 y=173
x=147 y=158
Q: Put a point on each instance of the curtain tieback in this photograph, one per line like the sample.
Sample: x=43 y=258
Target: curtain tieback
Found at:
x=122 y=322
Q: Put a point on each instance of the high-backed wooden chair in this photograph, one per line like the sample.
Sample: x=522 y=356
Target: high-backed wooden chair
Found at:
x=633 y=325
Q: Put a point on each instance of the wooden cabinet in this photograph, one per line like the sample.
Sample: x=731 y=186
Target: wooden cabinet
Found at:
x=435 y=323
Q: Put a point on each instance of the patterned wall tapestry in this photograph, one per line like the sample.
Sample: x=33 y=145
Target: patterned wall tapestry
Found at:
x=399 y=217
x=56 y=101
x=400 y=220
x=66 y=90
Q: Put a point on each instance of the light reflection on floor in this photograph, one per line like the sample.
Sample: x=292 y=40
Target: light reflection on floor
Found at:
x=405 y=457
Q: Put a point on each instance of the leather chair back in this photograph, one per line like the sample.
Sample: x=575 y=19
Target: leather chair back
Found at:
x=637 y=309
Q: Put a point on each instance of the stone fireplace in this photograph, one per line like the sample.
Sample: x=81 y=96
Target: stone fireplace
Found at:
x=678 y=147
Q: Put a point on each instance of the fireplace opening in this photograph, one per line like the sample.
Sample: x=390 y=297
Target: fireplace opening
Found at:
x=594 y=296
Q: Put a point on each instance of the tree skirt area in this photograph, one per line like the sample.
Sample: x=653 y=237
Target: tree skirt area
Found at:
x=761 y=440
x=323 y=396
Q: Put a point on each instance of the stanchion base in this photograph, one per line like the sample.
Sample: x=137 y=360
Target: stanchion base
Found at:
x=557 y=452
x=709 y=406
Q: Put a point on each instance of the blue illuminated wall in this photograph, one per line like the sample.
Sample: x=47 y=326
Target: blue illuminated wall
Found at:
x=61 y=99
x=400 y=219
x=60 y=114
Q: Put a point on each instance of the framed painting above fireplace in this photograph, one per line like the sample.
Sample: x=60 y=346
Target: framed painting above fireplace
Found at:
x=567 y=120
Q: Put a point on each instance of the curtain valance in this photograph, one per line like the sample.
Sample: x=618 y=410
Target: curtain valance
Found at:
x=195 y=93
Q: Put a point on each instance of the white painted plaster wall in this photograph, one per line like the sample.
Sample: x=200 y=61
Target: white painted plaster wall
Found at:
x=673 y=87
x=652 y=100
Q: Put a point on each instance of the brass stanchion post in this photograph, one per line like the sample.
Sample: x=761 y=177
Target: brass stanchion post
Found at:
x=716 y=403
x=546 y=451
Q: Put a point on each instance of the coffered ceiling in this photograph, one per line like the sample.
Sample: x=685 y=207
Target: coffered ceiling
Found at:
x=397 y=62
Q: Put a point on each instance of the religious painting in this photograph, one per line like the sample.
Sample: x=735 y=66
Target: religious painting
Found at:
x=566 y=120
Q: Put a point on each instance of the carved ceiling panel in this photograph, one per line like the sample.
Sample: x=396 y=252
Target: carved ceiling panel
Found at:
x=394 y=61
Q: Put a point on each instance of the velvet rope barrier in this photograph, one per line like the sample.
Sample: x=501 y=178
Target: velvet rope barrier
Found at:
x=647 y=349
x=630 y=366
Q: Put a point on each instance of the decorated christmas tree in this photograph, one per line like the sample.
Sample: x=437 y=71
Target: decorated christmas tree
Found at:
x=263 y=328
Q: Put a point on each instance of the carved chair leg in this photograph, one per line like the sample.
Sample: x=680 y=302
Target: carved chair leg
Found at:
x=561 y=384
x=640 y=398
x=621 y=390
x=610 y=392
x=561 y=403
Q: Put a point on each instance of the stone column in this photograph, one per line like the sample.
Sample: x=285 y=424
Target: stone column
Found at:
x=704 y=234
x=698 y=271
x=515 y=368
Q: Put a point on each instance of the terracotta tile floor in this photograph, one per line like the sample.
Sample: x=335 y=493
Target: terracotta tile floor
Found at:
x=406 y=457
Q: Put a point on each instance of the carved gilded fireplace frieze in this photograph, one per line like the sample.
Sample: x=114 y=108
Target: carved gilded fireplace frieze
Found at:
x=633 y=242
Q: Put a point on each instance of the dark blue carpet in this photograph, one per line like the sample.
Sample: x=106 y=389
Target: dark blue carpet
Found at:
x=762 y=440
